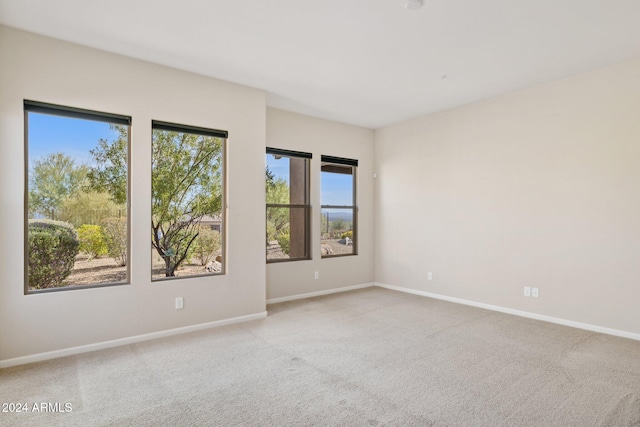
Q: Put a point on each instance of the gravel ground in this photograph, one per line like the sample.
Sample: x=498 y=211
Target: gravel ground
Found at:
x=105 y=270
x=274 y=252
x=96 y=271
x=338 y=248
x=184 y=270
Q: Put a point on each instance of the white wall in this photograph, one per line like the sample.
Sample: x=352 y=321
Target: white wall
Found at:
x=535 y=188
x=303 y=133
x=539 y=188
x=42 y=69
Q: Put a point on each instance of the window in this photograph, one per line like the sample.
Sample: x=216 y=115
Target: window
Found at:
x=339 y=212
x=76 y=201
x=187 y=201
x=288 y=209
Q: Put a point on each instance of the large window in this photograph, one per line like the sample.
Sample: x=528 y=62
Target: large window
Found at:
x=77 y=171
x=339 y=212
x=187 y=201
x=288 y=209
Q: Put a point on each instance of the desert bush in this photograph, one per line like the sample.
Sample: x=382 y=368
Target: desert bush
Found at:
x=92 y=240
x=89 y=207
x=271 y=232
x=339 y=225
x=53 y=246
x=346 y=234
x=115 y=233
x=185 y=237
x=206 y=245
x=283 y=241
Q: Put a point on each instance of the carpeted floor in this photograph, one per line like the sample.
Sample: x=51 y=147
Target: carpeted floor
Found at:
x=364 y=358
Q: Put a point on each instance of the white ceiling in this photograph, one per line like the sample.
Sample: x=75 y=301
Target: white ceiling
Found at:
x=364 y=62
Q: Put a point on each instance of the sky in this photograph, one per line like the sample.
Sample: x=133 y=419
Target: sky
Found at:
x=336 y=189
x=73 y=137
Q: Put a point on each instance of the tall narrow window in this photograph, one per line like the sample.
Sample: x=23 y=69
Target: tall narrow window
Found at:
x=187 y=201
x=339 y=211
x=77 y=164
x=288 y=208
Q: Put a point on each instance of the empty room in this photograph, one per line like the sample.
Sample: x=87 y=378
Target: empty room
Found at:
x=328 y=213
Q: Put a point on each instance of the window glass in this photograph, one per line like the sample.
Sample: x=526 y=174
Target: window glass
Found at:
x=337 y=185
x=77 y=191
x=187 y=180
x=338 y=213
x=287 y=196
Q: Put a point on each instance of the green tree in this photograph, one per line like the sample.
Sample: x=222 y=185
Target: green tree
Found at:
x=110 y=173
x=90 y=207
x=52 y=180
x=277 y=192
x=186 y=185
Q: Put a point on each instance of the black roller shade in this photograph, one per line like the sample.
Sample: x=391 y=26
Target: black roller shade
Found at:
x=173 y=127
x=288 y=153
x=75 y=113
x=340 y=160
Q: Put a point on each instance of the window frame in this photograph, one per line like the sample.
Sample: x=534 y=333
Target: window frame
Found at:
x=216 y=133
x=342 y=162
x=307 y=206
x=30 y=106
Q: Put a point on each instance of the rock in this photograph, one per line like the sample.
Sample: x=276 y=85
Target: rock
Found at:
x=219 y=259
x=326 y=249
x=213 y=267
x=274 y=251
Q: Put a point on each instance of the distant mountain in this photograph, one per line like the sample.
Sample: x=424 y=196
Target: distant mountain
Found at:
x=346 y=216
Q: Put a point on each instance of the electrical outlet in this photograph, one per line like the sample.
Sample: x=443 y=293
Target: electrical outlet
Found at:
x=316 y=275
x=527 y=291
x=534 y=292
x=179 y=303
x=429 y=276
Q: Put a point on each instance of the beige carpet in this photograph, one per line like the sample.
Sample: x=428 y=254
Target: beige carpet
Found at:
x=363 y=358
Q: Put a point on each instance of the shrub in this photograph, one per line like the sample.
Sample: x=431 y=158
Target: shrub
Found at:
x=115 y=236
x=339 y=225
x=283 y=241
x=92 y=240
x=89 y=207
x=184 y=237
x=346 y=234
x=53 y=246
x=206 y=245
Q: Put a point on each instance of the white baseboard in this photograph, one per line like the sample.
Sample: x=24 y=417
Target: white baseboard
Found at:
x=128 y=340
x=160 y=334
x=559 y=321
x=319 y=293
